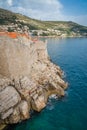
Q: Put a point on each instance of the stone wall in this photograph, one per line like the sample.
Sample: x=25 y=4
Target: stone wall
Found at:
x=18 y=55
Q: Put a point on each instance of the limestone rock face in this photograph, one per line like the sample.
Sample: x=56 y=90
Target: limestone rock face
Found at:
x=20 y=112
x=38 y=102
x=9 y=97
x=27 y=78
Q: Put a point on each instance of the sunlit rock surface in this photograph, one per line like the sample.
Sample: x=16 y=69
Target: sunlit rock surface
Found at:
x=27 y=77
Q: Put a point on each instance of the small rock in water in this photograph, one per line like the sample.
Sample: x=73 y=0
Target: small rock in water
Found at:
x=53 y=96
x=63 y=75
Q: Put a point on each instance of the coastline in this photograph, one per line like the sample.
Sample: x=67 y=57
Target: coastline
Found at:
x=35 y=93
x=60 y=37
x=26 y=85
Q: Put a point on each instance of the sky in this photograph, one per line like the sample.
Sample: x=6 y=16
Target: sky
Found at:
x=54 y=10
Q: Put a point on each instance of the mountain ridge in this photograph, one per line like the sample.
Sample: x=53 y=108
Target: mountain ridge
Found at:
x=42 y=28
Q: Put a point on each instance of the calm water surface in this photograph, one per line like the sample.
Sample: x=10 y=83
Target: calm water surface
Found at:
x=69 y=113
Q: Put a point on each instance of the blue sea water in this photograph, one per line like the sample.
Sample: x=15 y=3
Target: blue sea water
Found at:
x=70 y=112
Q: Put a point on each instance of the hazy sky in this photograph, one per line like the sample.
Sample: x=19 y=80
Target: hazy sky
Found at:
x=66 y=10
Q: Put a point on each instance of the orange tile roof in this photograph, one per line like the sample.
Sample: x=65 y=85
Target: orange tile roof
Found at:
x=13 y=34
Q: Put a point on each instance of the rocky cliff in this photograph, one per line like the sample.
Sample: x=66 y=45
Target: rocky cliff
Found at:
x=27 y=77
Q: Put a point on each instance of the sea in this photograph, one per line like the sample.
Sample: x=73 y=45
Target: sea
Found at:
x=70 y=112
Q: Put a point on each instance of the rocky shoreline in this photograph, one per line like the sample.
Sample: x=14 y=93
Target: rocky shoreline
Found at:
x=60 y=37
x=27 y=78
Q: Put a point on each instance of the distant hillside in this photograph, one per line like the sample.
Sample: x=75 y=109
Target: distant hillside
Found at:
x=14 y=21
